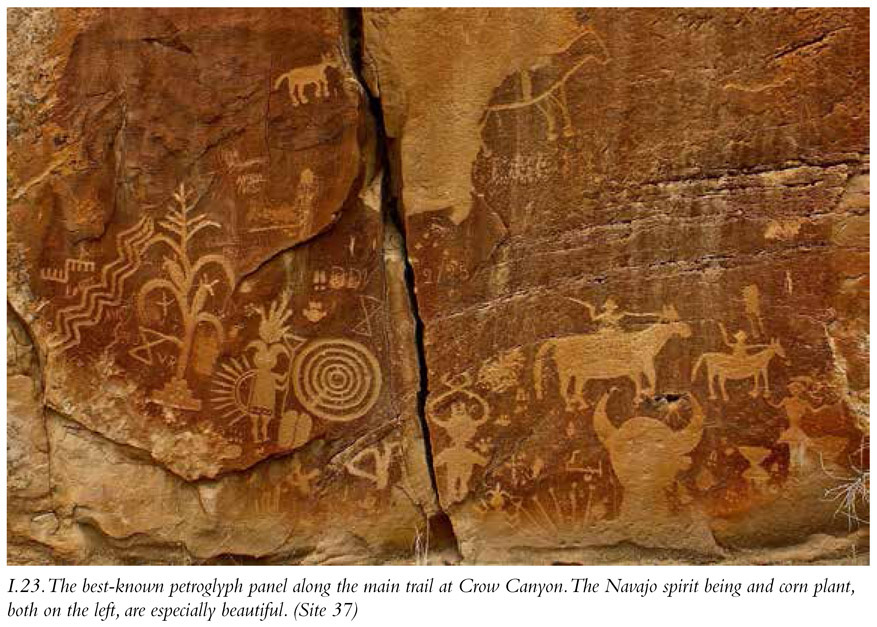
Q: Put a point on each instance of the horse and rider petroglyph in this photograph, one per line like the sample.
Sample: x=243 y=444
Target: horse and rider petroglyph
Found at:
x=608 y=354
x=739 y=364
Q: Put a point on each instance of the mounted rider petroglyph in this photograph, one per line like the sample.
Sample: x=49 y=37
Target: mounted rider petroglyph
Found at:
x=739 y=364
x=609 y=353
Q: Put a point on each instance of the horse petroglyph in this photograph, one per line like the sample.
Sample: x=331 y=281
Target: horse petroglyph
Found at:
x=300 y=78
x=739 y=364
x=608 y=354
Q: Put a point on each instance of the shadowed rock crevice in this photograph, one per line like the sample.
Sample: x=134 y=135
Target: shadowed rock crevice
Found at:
x=439 y=525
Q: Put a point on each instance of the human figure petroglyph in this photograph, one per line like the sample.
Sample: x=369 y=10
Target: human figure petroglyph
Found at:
x=461 y=426
x=306 y=191
x=797 y=407
x=646 y=457
x=298 y=79
x=267 y=350
x=248 y=387
x=752 y=306
x=610 y=316
x=739 y=364
x=739 y=343
x=608 y=354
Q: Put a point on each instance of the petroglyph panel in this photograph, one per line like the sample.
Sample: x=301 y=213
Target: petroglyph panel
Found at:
x=457 y=285
x=189 y=175
x=622 y=237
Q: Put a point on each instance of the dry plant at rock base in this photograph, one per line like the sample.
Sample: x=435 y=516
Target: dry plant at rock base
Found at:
x=852 y=493
x=421 y=546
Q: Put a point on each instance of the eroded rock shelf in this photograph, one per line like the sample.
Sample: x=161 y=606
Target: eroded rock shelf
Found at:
x=438 y=286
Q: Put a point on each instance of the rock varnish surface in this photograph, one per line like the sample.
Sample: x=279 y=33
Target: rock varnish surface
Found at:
x=408 y=285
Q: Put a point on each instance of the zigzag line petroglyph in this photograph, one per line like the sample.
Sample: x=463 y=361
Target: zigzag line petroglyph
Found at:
x=95 y=298
x=62 y=274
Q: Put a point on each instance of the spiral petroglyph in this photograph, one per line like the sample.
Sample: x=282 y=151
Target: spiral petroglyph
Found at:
x=336 y=379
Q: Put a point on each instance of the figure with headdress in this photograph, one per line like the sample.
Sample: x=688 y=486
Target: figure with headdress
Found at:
x=266 y=352
x=461 y=426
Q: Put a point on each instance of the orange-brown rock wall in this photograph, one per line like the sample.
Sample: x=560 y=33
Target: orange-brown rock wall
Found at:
x=466 y=285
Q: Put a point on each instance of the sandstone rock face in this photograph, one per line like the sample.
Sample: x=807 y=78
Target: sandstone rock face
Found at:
x=640 y=249
x=622 y=314
x=227 y=350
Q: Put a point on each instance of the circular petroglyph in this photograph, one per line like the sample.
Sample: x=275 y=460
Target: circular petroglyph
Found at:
x=336 y=379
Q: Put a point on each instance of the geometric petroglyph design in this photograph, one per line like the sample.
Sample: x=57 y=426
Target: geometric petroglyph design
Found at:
x=381 y=456
x=63 y=274
x=230 y=394
x=371 y=308
x=149 y=339
x=97 y=297
x=336 y=379
x=607 y=354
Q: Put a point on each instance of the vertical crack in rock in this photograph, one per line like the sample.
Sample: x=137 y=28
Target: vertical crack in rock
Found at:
x=439 y=523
